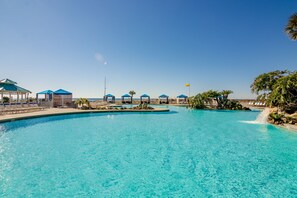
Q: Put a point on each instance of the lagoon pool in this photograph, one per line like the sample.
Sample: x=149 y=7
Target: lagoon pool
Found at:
x=182 y=153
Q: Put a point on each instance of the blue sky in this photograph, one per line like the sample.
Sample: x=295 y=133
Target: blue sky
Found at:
x=153 y=46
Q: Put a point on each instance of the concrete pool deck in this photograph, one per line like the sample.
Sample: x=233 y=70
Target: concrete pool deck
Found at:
x=65 y=111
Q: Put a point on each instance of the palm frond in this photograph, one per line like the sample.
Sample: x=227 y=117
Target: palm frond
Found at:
x=291 y=27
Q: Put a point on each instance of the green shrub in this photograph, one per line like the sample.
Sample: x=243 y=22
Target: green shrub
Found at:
x=290 y=108
x=197 y=102
x=5 y=99
x=276 y=118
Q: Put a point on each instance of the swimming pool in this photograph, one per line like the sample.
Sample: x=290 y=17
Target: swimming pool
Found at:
x=181 y=153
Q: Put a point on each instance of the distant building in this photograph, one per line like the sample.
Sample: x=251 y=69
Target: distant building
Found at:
x=59 y=98
x=62 y=98
x=163 y=99
x=126 y=99
x=145 y=99
x=182 y=99
x=109 y=98
x=9 y=88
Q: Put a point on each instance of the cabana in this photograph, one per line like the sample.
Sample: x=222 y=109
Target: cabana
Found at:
x=145 y=99
x=181 y=99
x=163 y=99
x=109 y=98
x=9 y=88
x=48 y=98
x=48 y=95
x=62 y=98
x=126 y=99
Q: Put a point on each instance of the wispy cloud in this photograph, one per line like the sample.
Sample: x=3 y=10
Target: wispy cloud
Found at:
x=100 y=58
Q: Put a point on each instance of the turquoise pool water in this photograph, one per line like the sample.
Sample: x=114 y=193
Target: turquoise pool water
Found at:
x=183 y=153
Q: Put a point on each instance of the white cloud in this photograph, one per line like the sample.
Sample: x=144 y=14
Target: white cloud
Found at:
x=100 y=58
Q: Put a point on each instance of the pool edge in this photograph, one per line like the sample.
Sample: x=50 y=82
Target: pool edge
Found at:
x=24 y=117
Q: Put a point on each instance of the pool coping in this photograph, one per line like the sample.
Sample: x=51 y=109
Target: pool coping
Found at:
x=47 y=113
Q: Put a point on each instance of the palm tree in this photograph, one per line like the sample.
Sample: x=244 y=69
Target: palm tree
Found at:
x=79 y=102
x=223 y=99
x=82 y=102
x=211 y=96
x=284 y=91
x=197 y=102
x=226 y=93
x=266 y=81
x=291 y=28
x=132 y=93
x=200 y=101
x=86 y=102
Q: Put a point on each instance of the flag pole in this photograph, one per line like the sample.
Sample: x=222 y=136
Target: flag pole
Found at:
x=189 y=85
x=104 y=88
x=104 y=85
